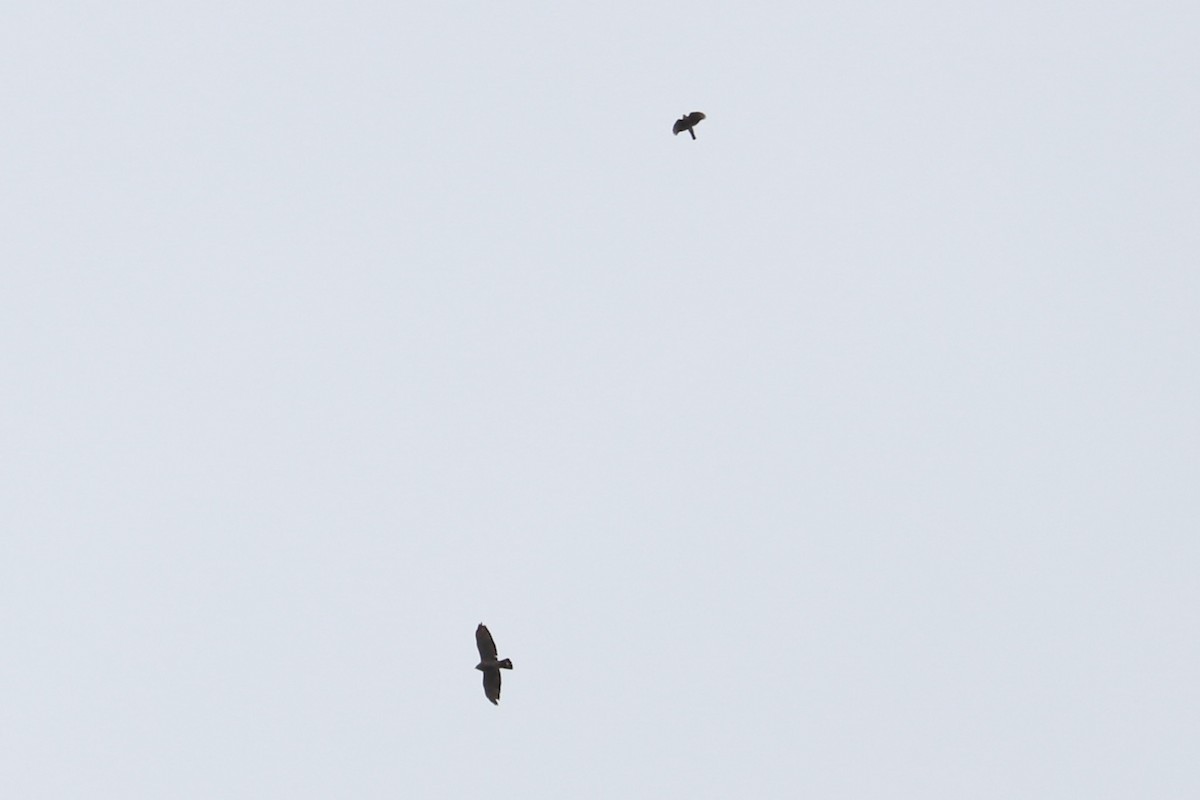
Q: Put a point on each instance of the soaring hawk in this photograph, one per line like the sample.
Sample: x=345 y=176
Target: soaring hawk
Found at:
x=488 y=664
x=688 y=123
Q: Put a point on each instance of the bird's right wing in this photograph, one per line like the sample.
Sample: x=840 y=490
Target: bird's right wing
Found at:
x=491 y=685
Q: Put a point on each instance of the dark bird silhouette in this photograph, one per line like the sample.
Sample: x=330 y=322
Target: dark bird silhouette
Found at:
x=488 y=664
x=688 y=123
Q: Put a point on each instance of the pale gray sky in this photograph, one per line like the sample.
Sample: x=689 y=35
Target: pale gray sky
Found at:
x=849 y=451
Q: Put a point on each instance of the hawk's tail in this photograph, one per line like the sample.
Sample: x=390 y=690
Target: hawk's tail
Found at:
x=505 y=664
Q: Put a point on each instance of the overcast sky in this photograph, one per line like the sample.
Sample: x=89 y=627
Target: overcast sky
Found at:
x=849 y=451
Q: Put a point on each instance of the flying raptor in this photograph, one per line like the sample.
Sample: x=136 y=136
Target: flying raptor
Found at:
x=488 y=664
x=688 y=123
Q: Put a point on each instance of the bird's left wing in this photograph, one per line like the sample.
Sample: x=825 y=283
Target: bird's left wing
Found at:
x=483 y=640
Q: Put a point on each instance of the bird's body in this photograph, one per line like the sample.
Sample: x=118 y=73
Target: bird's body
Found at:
x=687 y=123
x=488 y=664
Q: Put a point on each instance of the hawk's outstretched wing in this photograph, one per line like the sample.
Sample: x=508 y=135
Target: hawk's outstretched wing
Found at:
x=491 y=685
x=487 y=652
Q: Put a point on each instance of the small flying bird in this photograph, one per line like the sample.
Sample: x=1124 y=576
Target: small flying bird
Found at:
x=687 y=123
x=488 y=664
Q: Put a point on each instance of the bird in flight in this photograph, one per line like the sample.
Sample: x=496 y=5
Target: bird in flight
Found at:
x=688 y=123
x=488 y=665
